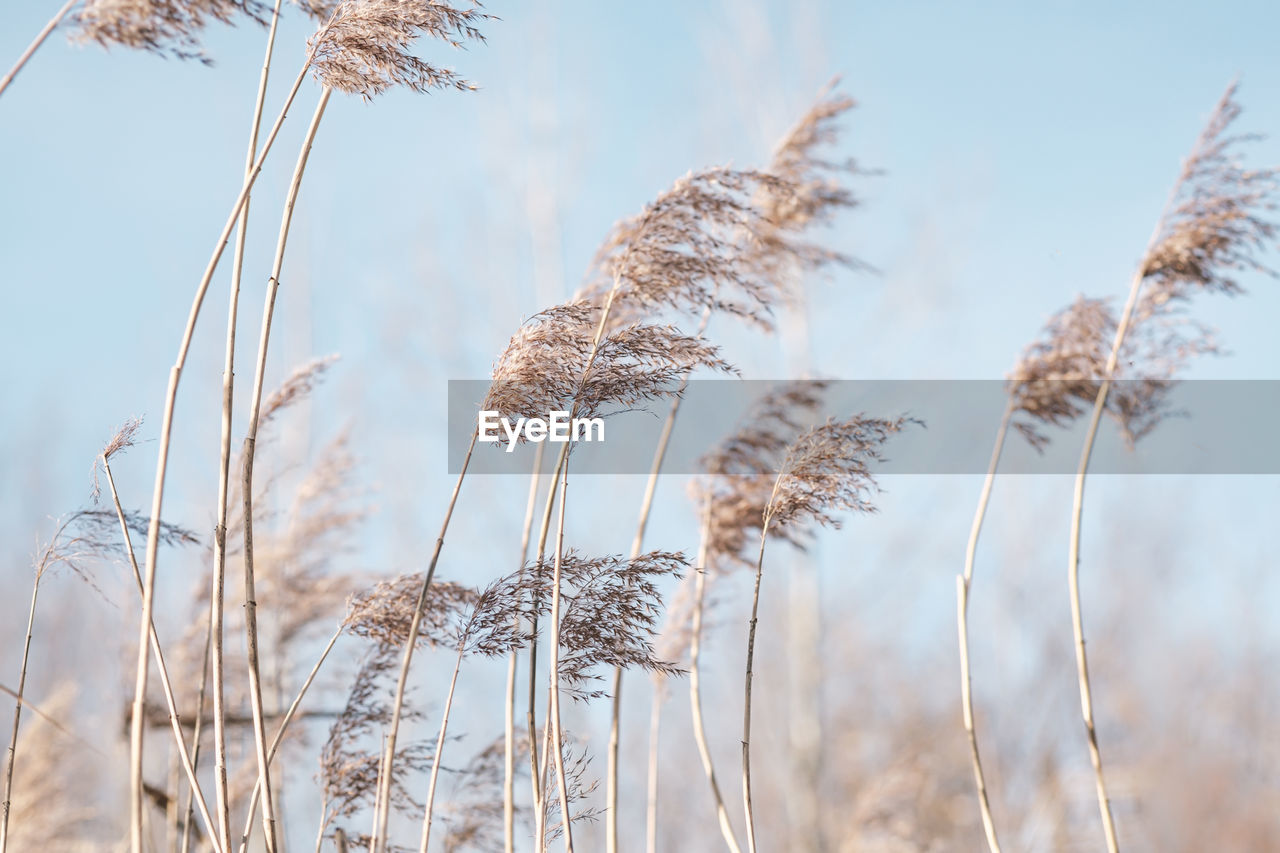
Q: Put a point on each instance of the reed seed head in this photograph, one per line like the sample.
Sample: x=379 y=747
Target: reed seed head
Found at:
x=365 y=46
x=167 y=27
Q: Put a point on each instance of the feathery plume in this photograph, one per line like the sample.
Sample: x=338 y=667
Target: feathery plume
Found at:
x=611 y=610
x=475 y=814
x=384 y=612
x=691 y=249
x=827 y=470
x=1217 y=226
x=814 y=193
x=165 y=27
x=542 y=368
x=740 y=472
x=348 y=768
x=364 y=46
x=577 y=765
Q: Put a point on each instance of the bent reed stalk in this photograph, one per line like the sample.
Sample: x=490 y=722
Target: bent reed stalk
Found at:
x=20 y=700
x=382 y=809
x=246 y=484
x=279 y=736
x=162 y=465
x=509 y=722
x=637 y=545
x=35 y=44
x=695 y=680
x=1077 y=501
x=217 y=590
x=963 y=584
x=166 y=685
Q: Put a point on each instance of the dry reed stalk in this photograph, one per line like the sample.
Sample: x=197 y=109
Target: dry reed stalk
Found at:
x=637 y=545
x=825 y=470
x=734 y=495
x=166 y=685
x=35 y=44
x=1051 y=385
x=12 y=751
x=188 y=812
x=278 y=738
x=1209 y=229
x=555 y=726
x=492 y=628
x=660 y=696
x=537 y=769
x=217 y=591
x=363 y=46
x=963 y=583
x=82 y=535
x=509 y=769
x=378 y=843
x=609 y=609
x=798 y=191
x=548 y=366
x=695 y=680
x=255 y=407
x=162 y=464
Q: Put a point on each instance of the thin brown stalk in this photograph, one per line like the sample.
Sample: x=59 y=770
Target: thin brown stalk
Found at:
x=556 y=731
x=695 y=681
x=35 y=44
x=166 y=685
x=637 y=545
x=509 y=758
x=162 y=465
x=1206 y=143
x=278 y=738
x=382 y=810
x=12 y=752
x=537 y=767
x=251 y=606
x=826 y=469
x=746 y=706
x=188 y=812
x=435 y=761
x=655 y=738
x=217 y=593
x=963 y=584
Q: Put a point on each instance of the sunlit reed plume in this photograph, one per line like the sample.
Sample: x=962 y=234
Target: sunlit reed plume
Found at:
x=365 y=46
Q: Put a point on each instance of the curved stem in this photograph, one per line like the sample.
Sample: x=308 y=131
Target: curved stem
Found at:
x=217 y=592
x=184 y=757
x=35 y=44
x=383 y=797
x=655 y=732
x=557 y=735
x=695 y=681
x=19 y=694
x=1077 y=503
x=509 y=757
x=963 y=582
x=435 y=761
x=162 y=465
x=746 y=703
x=637 y=543
x=279 y=736
x=188 y=812
x=246 y=485
x=536 y=765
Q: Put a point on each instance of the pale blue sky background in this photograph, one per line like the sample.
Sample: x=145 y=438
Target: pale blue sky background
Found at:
x=1026 y=150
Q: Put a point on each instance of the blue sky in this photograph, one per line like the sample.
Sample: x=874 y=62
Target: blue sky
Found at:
x=1025 y=154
